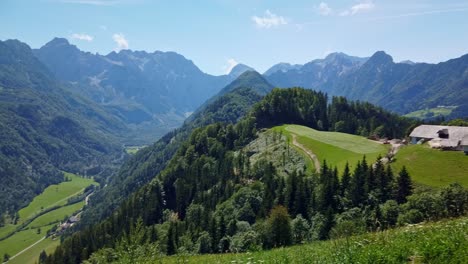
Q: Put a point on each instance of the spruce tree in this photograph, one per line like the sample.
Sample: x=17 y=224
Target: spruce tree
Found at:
x=404 y=186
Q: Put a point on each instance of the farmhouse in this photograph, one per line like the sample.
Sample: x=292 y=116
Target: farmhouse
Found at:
x=443 y=137
x=464 y=144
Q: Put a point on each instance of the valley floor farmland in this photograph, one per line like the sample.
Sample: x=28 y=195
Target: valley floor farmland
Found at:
x=44 y=212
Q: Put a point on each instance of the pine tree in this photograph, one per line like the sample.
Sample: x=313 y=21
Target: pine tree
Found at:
x=404 y=186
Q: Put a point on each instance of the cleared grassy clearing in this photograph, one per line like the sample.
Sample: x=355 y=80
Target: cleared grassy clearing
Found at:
x=336 y=148
x=441 y=242
x=432 y=112
x=133 y=149
x=433 y=167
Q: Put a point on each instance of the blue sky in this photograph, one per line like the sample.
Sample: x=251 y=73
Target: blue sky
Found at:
x=216 y=34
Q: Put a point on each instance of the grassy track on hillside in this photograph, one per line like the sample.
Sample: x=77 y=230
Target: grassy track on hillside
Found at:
x=334 y=147
x=433 y=167
x=441 y=242
x=32 y=255
x=56 y=194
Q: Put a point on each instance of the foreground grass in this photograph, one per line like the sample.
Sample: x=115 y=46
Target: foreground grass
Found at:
x=55 y=195
x=441 y=242
x=433 y=167
x=334 y=147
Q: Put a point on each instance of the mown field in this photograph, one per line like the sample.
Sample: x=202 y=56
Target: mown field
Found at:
x=334 y=147
x=441 y=242
x=53 y=196
x=433 y=167
x=31 y=256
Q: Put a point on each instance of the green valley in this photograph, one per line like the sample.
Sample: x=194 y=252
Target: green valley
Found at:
x=56 y=203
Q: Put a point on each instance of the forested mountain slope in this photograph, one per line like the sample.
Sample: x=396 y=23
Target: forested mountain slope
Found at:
x=228 y=107
x=210 y=194
x=45 y=129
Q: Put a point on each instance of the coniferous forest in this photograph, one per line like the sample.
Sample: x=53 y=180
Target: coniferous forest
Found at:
x=211 y=199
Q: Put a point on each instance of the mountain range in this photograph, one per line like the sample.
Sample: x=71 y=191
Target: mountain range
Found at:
x=153 y=92
x=65 y=109
x=400 y=87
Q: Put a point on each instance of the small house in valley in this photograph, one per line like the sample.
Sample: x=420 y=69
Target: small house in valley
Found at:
x=442 y=137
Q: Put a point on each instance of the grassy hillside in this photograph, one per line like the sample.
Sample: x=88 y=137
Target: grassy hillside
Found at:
x=431 y=112
x=334 y=147
x=433 y=167
x=441 y=242
x=54 y=196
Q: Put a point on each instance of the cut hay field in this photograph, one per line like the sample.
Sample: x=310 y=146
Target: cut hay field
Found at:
x=334 y=147
x=31 y=256
x=440 y=242
x=433 y=167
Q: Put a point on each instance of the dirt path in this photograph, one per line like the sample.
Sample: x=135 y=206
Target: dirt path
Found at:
x=26 y=249
x=308 y=152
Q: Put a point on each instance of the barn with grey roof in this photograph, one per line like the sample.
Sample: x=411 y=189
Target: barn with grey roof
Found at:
x=443 y=137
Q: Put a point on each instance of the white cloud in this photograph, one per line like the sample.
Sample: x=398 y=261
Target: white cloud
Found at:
x=121 y=41
x=324 y=9
x=364 y=6
x=84 y=37
x=231 y=63
x=269 y=20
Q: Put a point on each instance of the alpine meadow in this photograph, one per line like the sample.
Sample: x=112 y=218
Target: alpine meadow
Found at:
x=233 y=131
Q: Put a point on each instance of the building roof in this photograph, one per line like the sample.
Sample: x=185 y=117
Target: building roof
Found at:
x=455 y=133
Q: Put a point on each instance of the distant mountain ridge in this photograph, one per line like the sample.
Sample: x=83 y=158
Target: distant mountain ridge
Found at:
x=401 y=87
x=152 y=90
x=314 y=73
